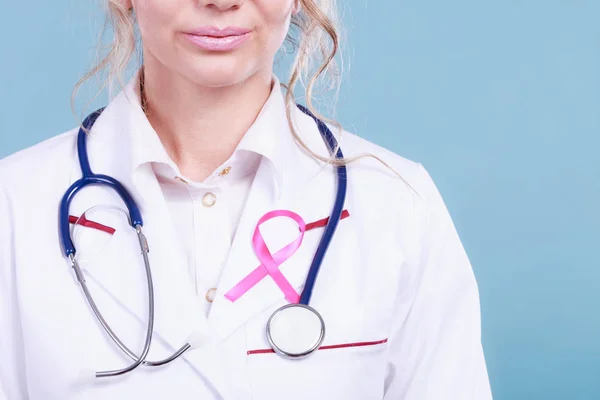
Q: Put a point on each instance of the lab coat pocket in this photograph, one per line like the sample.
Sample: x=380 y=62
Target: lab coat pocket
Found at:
x=347 y=366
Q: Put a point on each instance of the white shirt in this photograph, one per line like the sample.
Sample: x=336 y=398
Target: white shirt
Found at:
x=205 y=214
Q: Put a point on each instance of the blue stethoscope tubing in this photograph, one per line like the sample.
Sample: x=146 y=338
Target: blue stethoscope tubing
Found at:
x=336 y=213
x=90 y=178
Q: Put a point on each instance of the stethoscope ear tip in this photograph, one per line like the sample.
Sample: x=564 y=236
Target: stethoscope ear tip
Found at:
x=86 y=377
x=196 y=339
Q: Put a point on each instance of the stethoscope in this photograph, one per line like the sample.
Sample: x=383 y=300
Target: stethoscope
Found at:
x=293 y=331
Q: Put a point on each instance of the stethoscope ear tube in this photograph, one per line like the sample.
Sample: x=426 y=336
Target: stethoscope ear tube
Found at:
x=138 y=360
x=84 y=129
x=336 y=214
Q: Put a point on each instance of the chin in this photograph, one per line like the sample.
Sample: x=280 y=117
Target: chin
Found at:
x=220 y=74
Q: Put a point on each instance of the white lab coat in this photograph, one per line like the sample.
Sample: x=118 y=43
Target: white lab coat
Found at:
x=396 y=273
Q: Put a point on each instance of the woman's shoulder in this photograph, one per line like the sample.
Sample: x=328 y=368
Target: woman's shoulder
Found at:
x=384 y=167
x=38 y=164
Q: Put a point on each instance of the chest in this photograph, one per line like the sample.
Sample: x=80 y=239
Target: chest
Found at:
x=361 y=276
x=205 y=218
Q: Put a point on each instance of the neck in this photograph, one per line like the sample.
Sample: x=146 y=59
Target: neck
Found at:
x=200 y=127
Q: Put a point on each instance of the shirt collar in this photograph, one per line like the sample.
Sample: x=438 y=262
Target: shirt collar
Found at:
x=269 y=137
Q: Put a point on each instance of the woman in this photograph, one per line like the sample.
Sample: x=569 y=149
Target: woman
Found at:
x=208 y=144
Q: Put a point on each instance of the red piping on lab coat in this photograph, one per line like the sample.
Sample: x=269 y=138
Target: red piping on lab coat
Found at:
x=95 y=225
x=323 y=222
x=328 y=347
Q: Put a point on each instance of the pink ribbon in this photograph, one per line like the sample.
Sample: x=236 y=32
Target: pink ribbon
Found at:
x=270 y=263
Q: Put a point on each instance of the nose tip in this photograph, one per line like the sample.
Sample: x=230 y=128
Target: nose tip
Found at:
x=222 y=5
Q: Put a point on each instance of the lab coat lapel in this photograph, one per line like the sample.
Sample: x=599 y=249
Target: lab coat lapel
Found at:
x=225 y=316
x=178 y=313
x=308 y=190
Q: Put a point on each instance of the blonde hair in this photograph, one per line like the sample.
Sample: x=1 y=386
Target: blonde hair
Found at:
x=317 y=45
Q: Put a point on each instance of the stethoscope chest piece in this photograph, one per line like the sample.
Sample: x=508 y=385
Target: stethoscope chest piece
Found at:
x=295 y=330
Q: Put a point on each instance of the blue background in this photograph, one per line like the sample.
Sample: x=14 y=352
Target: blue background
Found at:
x=499 y=100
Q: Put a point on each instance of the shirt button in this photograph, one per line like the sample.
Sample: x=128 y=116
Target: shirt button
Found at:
x=210 y=295
x=225 y=171
x=209 y=199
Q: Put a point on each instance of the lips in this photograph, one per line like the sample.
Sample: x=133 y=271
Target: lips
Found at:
x=218 y=39
x=219 y=32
